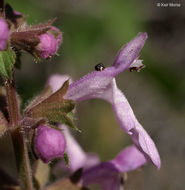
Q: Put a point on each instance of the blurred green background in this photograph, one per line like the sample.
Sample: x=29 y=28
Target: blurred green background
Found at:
x=93 y=32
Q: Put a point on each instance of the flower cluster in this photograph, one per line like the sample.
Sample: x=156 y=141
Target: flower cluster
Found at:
x=45 y=121
x=106 y=174
x=42 y=40
x=102 y=84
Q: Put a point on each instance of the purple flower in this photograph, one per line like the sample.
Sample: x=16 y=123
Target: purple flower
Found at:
x=49 y=42
x=47 y=46
x=56 y=81
x=4 y=32
x=102 y=84
x=49 y=143
x=58 y=35
x=107 y=174
x=78 y=158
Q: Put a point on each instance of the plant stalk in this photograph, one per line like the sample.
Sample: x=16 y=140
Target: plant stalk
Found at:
x=12 y=101
x=18 y=138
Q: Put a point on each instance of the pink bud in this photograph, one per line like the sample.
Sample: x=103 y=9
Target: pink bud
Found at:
x=49 y=143
x=47 y=46
x=58 y=35
x=3 y=34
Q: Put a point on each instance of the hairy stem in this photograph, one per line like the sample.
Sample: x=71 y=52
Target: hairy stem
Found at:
x=18 y=138
x=12 y=102
x=23 y=163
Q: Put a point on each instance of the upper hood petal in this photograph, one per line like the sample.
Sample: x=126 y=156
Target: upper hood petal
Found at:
x=95 y=82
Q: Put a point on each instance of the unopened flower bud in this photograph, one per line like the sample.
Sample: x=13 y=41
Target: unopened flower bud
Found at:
x=3 y=34
x=49 y=43
x=58 y=35
x=49 y=143
x=47 y=46
x=42 y=40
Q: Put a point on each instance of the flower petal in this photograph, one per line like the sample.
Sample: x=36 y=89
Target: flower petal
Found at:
x=56 y=81
x=129 y=159
x=95 y=82
x=77 y=157
x=107 y=174
x=129 y=51
x=129 y=123
x=104 y=174
x=125 y=117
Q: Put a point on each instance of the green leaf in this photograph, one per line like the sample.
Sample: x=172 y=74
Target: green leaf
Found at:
x=53 y=102
x=55 y=108
x=60 y=117
x=49 y=106
x=45 y=93
x=66 y=159
x=7 y=61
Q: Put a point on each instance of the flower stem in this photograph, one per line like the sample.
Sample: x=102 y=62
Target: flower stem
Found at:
x=18 y=138
x=12 y=101
x=22 y=160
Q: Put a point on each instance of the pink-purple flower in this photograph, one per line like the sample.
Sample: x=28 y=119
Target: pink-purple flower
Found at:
x=42 y=40
x=108 y=174
x=105 y=174
x=102 y=84
x=78 y=158
x=4 y=33
x=49 y=42
x=49 y=143
x=47 y=46
x=58 y=35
